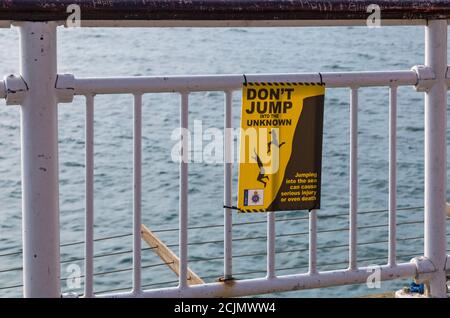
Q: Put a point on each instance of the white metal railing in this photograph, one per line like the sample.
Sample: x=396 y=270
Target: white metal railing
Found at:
x=228 y=84
x=39 y=89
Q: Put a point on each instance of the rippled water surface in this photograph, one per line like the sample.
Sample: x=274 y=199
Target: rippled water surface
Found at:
x=113 y=52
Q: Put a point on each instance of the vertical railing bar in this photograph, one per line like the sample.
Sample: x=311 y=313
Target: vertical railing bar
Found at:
x=183 y=217
x=137 y=193
x=313 y=241
x=353 y=177
x=89 y=195
x=392 y=175
x=270 y=245
x=228 y=221
x=435 y=196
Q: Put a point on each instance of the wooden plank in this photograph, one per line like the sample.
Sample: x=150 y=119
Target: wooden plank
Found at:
x=167 y=255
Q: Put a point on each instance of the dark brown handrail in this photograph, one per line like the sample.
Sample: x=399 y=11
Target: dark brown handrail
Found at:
x=51 y=10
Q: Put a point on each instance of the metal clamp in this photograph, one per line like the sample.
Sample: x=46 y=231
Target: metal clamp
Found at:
x=424 y=269
x=425 y=77
x=65 y=87
x=15 y=88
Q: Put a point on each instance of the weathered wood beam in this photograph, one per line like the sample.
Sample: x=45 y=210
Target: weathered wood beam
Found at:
x=167 y=255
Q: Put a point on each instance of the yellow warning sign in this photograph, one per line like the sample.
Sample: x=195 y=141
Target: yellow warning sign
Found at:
x=280 y=155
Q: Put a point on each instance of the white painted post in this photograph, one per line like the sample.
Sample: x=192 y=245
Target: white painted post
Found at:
x=184 y=188
x=271 y=273
x=227 y=187
x=436 y=155
x=39 y=133
x=392 y=247
x=353 y=219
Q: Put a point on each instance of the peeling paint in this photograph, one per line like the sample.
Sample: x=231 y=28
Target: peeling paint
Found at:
x=51 y=10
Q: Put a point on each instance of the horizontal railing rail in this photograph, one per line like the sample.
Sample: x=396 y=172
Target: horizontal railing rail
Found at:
x=164 y=84
x=54 y=10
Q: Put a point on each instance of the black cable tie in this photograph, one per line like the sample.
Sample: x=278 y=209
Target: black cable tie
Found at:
x=321 y=79
x=232 y=207
x=245 y=79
